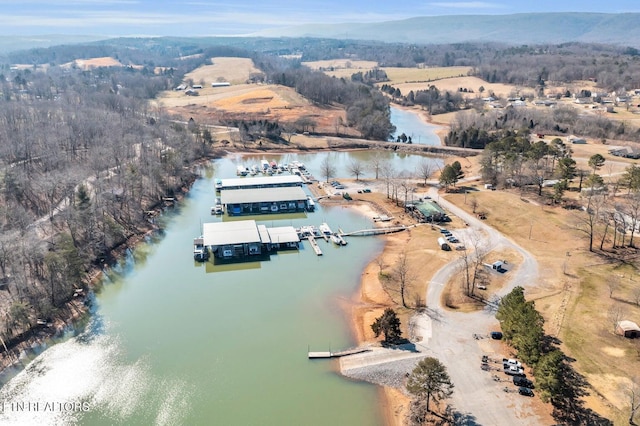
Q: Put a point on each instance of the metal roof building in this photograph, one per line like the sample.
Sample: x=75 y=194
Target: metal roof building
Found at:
x=262 y=195
x=227 y=233
x=219 y=234
x=260 y=182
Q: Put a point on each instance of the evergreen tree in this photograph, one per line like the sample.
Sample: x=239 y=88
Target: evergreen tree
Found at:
x=389 y=325
x=430 y=380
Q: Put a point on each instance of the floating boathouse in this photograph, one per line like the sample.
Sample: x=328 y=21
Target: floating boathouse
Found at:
x=246 y=238
x=258 y=182
x=253 y=201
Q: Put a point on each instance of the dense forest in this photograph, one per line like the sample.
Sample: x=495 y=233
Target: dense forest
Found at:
x=83 y=160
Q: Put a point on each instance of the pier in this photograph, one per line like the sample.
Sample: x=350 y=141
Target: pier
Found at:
x=314 y=245
x=376 y=231
x=329 y=354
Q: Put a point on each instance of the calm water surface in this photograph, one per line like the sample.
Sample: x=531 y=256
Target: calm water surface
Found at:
x=176 y=342
x=410 y=123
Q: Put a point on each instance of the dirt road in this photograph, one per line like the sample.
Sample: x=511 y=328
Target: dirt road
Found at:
x=449 y=336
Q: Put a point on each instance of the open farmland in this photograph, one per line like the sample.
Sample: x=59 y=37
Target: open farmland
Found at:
x=233 y=70
x=411 y=75
x=249 y=101
x=470 y=83
x=106 y=61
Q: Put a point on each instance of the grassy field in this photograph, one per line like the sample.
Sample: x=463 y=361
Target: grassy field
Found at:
x=409 y=75
x=233 y=70
x=573 y=292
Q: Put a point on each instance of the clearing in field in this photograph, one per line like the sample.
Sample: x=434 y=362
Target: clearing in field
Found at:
x=249 y=101
x=469 y=83
x=106 y=61
x=341 y=64
x=233 y=70
x=415 y=75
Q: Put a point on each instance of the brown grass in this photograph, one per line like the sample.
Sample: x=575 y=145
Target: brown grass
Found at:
x=233 y=70
x=106 y=61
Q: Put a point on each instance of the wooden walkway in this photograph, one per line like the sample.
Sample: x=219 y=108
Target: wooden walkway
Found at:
x=329 y=354
x=314 y=245
x=376 y=231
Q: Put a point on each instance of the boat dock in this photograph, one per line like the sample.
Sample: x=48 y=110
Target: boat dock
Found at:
x=314 y=245
x=329 y=354
x=376 y=231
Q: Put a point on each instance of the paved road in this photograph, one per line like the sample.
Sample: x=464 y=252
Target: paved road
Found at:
x=449 y=337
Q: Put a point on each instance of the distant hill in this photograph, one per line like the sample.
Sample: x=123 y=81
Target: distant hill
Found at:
x=524 y=28
x=15 y=43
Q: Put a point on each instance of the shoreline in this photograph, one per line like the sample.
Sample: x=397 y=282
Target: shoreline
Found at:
x=370 y=298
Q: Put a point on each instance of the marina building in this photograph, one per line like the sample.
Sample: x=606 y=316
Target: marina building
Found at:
x=245 y=238
x=268 y=200
x=280 y=181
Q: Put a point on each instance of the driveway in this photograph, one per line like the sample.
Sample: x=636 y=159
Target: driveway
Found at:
x=449 y=336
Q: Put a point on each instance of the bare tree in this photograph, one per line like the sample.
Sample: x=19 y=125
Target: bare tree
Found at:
x=613 y=284
x=356 y=168
x=376 y=163
x=615 y=314
x=633 y=393
x=327 y=169
x=473 y=202
x=472 y=263
x=403 y=275
x=424 y=169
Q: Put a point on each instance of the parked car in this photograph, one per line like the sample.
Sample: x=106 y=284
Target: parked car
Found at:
x=339 y=186
x=481 y=287
x=460 y=247
x=444 y=231
x=512 y=370
x=496 y=335
x=453 y=239
x=523 y=382
x=511 y=362
x=525 y=391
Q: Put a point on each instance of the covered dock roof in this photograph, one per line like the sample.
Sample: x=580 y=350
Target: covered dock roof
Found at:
x=246 y=232
x=226 y=233
x=261 y=182
x=262 y=195
x=283 y=234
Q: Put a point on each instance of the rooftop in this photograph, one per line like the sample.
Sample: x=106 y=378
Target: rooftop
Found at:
x=261 y=181
x=262 y=195
x=245 y=232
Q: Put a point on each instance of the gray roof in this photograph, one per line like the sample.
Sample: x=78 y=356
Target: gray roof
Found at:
x=284 y=234
x=224 y=233
x=262 y=181
x=246 y=232
x=262 y=195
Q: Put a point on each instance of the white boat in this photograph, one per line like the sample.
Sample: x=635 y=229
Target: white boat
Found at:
x=242 y=171
x=324 y=228
x=336 y=240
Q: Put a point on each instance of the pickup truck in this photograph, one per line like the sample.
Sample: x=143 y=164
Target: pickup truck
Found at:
x=513 y=370
x=511 y=362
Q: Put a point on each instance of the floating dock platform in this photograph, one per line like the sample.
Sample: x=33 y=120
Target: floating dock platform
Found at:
x=314 y=245
x=329 y=354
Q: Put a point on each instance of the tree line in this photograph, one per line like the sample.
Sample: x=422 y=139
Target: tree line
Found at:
x=472 y=129
x=83 y=162
x=556 y=380
x=367 y=109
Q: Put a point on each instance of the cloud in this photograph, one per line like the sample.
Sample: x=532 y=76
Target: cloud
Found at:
x=467 y=5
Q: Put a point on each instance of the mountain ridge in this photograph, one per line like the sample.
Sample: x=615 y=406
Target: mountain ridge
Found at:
x=521 y=28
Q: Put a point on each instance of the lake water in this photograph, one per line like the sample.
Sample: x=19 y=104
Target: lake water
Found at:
x=172 y=341
x=410 y=123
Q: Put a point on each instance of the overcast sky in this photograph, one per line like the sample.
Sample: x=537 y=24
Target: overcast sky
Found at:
x=240 y=17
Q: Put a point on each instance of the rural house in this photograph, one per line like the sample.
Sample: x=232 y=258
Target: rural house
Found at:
x=628 y=329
